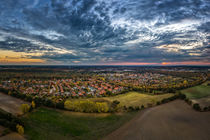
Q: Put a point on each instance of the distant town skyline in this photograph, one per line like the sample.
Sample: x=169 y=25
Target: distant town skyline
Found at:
x=104 y=32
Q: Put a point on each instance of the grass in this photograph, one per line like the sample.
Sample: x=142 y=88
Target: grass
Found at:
x=133 y=99
x=197 y=92
x=45 y=123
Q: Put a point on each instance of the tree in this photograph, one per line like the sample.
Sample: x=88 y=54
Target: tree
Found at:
x=20 y=129
x=25 y=108
x=33 y=105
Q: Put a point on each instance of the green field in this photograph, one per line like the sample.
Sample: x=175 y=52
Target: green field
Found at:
x=45 y=123
x=133 y=99
x=197 y=92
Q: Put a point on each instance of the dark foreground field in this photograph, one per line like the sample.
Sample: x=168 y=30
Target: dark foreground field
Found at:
x=51 y=124
x=172 y=121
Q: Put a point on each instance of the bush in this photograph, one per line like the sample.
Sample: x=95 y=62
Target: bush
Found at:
x=102 y=107
x=197 y=107
x=29 y=98
x=124 y=107
x=130 y=108
x=142 y=106
x=49 y=103
x=60 y=105
x=86 y=106
x=182 y=96
x=114 y=105
x=69 y=105
x=25 y=108
x=205 y=108
x=33 y=105
x=165 y=101
x=38 y=101
x=137 y=108
x=158 y=103
x=20 y=129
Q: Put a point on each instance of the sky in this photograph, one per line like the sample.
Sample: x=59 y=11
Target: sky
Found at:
x=105 y=32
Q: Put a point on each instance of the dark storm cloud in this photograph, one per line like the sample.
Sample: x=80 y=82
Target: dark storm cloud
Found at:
x=116 y=30
x=57 y=56
x=19 y=45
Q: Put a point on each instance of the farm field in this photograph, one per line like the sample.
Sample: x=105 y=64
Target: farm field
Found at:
x=197 y=92
x=12 y=136
x=174 y=120
x=11 y=104
x=45 y=123
x=132 y=99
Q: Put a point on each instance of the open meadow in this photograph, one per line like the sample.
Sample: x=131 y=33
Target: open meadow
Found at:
x=199 y=94
x=131 y=99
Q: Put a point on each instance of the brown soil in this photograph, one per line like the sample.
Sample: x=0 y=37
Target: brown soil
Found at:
x=11 y=104
x=172 y=121
x=12 y=136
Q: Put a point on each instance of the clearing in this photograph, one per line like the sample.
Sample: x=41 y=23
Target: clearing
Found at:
x=133 y=99
x=174 y=120
x=197 y=92
x=11 y=104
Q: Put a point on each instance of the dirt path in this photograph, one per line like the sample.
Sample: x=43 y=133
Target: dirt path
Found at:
x=12 y=136
x=172 y=121
x=11 y=104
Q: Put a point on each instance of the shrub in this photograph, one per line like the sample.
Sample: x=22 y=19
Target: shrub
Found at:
x=165 y=101
x=205 y=108
x=102 y=107
x=137 y=108
x=86 y=106
x=131 y=108
x=69 y=105
x=182 y=96
x=33 y=105
x=197 y=107
x=142 y=106
x=29 y=98
x=49 y=103
x=114 y=104
x=25 y=108
x=38 y=101
x=158 y=103
x=60 y=105
x=20 y=129
x=124 y=107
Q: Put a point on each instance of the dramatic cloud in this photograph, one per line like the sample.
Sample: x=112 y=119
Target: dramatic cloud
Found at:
x=107 y=31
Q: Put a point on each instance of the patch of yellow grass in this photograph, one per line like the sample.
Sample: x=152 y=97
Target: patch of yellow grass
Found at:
x=133 y=99
x=137 y=99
